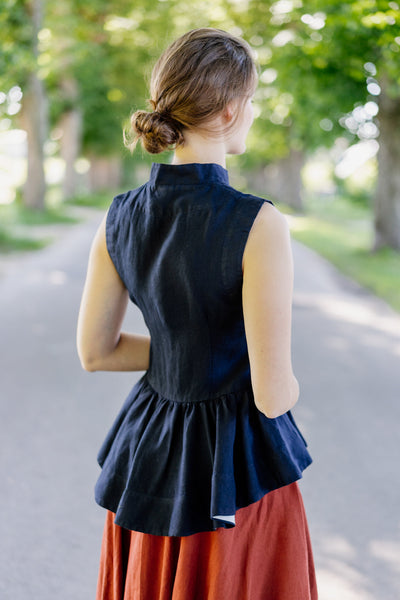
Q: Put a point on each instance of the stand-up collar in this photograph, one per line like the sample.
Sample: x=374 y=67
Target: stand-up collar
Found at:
x=188 y=174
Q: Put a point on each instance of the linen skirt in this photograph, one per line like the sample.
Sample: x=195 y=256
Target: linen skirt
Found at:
x=266 y=556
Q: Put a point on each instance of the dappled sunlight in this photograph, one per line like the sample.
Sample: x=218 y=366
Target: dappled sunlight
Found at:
x=284 y=6
x=337 y=343
x=12 y=163
x=387 y=551
x=337 y=576
x=349 y=414
x=43 y=277
x=362 y=312
x=341 y=581
x=317 y=175
x=316 y=21
x=54 y=170
x=297 y=222
x=283 y=37
x=58 y=278
x=355 y=157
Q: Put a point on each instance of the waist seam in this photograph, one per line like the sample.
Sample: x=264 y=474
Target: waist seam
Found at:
x=209 y=399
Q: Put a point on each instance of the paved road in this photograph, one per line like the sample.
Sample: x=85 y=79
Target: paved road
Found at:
x=346 y=351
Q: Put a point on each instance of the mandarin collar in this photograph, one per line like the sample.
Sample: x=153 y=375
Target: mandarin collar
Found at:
x=188 y=174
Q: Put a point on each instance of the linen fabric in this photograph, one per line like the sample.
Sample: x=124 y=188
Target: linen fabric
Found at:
x=267 y=556
x=189 y=447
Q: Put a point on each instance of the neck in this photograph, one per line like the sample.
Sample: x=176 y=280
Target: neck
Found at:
x=200 y=149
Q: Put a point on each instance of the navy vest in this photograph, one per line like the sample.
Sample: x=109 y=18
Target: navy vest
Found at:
x=189 y=447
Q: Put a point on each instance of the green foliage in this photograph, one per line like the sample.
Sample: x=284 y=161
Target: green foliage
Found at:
x=25 y=229
x=10 y=242
x=16 y=58
x=99 y=200
x=342 y=233
x=316 y=60
x=15 y=214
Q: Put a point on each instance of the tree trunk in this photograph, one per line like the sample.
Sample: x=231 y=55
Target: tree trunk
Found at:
x=282 y=180
x=387 y=195
x=71 y=126
x=289 y=179
x=70 y=147
x=34 y=121
x=105 y=173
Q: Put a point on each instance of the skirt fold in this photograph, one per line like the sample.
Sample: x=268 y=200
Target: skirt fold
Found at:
x=266 y=556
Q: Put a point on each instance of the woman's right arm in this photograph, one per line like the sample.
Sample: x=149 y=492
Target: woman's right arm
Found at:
x=267 y=307
x=101 y=344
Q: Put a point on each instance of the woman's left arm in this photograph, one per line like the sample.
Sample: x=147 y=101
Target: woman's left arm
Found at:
x=101 y=344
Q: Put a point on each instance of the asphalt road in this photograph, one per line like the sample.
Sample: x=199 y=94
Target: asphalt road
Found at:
x=54 y=416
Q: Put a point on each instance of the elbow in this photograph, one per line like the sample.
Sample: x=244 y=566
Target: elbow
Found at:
x=276 y=404
x=88 y=361
x=88 y=364
x=271 y=411
x=89 y=355
x=274 y=413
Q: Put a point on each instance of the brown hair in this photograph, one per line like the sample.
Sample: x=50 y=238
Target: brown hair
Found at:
x=193 y=80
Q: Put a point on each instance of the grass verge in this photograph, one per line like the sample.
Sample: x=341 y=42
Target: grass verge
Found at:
x=15 y=214
x=342 y=232
x=19 y=229
x=100 y=200
x=10 y=242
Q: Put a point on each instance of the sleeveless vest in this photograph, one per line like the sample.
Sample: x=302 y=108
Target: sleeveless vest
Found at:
x=189 y=447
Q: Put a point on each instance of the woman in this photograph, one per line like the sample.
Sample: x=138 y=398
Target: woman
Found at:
x=199 y=469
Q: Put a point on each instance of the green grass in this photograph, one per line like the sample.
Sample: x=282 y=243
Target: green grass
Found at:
x=14 y=243
x=342 y=232
x=23 y=229
x=15 y=214
x=19 y=226
x=338 y=229
x=100 y=200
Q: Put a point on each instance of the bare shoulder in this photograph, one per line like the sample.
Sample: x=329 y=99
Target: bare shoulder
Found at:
x=100 y=235
x=99 y=257
x=269 y=233
x=99 y=248
x=269 y=219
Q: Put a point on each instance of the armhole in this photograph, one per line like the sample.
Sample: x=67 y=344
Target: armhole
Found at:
x=110 y=231
x=249 y=233
x=236 y=241
x=113 y=222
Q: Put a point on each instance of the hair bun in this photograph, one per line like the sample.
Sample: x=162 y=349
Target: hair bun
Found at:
x=157 y=131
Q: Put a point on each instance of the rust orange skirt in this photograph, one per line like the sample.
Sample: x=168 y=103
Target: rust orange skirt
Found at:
x=267 y=556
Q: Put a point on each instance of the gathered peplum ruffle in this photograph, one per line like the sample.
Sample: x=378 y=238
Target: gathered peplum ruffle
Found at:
x=177 y=468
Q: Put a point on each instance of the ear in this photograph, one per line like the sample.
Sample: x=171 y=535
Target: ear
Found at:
x=229 y=112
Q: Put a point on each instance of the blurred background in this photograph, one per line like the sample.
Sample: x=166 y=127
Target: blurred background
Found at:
x=325 y=147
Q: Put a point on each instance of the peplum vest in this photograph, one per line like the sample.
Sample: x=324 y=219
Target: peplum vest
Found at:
x=189 y=447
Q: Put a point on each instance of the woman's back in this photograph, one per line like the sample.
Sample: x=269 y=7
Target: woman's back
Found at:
x=177 y=243
x=190 y=447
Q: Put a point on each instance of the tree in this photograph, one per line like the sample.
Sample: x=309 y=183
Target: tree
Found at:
x=292 y=120
x=99 y=53
x=18 y=57
x=361 y=45
x=34 y=119
x=324 y=69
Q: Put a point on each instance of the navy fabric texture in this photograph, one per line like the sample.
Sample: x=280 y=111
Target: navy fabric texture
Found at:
x=189 y=447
